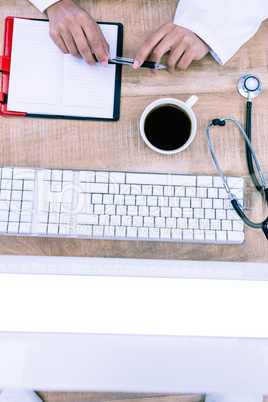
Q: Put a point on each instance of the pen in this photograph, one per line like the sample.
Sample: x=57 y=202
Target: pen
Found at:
x=125 y=60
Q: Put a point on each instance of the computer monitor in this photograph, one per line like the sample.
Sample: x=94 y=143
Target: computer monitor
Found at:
x=131 y=325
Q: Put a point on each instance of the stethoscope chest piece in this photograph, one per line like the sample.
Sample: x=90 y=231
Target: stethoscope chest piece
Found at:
x=249 y=86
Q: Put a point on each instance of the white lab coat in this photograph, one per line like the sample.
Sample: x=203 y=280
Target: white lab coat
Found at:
x=224 y=25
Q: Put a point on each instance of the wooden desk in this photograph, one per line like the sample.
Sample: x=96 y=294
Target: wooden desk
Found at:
x=118 y=146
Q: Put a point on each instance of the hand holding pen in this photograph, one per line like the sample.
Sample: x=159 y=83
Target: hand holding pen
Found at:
x=181 y=45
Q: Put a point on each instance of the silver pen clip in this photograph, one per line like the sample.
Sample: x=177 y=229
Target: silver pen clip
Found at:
x=121 y=60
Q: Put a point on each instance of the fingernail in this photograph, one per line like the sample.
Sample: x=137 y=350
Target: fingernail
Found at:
x=104 y=64
x=136 y=64
x=152 y=73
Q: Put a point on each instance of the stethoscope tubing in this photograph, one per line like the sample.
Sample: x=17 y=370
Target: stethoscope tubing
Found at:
x=261 y=225
x=248 y=143
x=248 y=151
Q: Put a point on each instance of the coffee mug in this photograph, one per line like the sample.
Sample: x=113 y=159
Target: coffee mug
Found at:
x=168 y=125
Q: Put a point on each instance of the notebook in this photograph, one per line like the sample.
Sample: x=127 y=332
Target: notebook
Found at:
x=44 y=82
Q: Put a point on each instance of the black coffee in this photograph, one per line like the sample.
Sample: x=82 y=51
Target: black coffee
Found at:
x=167 y=127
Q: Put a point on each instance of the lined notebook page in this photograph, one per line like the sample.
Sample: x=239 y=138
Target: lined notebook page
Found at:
x=45 y=81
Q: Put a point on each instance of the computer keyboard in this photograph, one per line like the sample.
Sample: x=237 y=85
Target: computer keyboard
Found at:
x=119 y=205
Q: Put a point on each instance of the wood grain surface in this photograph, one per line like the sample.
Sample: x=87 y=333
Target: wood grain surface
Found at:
x=49 y=143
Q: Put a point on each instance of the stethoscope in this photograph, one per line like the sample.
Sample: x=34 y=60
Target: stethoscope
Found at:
x=249 y=86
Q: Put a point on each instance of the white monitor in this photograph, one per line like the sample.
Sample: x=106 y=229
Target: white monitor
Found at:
x=130 y=325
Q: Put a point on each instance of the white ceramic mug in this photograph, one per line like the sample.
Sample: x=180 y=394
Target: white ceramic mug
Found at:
x=184 y=106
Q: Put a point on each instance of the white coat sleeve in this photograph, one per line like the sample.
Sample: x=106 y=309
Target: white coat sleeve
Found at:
x=224 y=25
x=42 y=5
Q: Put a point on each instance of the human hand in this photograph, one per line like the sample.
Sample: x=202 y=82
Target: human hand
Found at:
x=181 y=44
x=74 y=31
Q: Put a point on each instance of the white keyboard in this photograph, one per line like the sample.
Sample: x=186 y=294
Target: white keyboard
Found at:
x=119 y=205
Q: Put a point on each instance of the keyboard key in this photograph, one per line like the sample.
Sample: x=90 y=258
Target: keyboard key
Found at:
x=7 y=173
x=235 y=182
x=209 y=213
x=210 y=235
x=132 y=232
x=215 y=224
x=135 y=189
x=104 y=220
x=182 y=223
x=109 y=231
x=96 y=199
x=236 y=237
x=120 y=232
x=164 y=212
x=102 y=177
x=6 y=184
x=160 y=222
x=23 y=174
x=67 y=176
x=193 y=224
x=147 y=190
x=87 y=176
x=4 y=205
x=158 y=191
x=4 y=216
x=143 y=233
x=176 y=234
x=64 y=230
x=154 y=233
x=108 y=199
x=199 y=235
x=185 y=202
x=196 y=202
x=124 y=189
x=204 y=181
x=97 y=230
x=115 y=220
x=187 y=213
x=3 y=227
x=226 y=225
x=87 y=219
x=188 y=234
x=52 y=229
x=41 y=228
x=238 y=225
x=118 y=177
x=169 y=191
x=171 y=222
x=221 y=235
x=165 y=233
x=84 y=230
x=137 y=221
x=13 y=227
x=148 y=222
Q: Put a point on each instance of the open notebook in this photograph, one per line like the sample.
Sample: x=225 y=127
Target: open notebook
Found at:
x=43 y=81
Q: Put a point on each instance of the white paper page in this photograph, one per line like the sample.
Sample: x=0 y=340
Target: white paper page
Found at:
x=36 y=69
x=91 y=91
x=58 y=84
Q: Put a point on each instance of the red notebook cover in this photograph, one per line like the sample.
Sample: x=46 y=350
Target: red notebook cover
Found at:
x=5 y=68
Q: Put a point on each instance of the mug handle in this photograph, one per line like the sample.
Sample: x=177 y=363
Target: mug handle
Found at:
x=191 y=101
